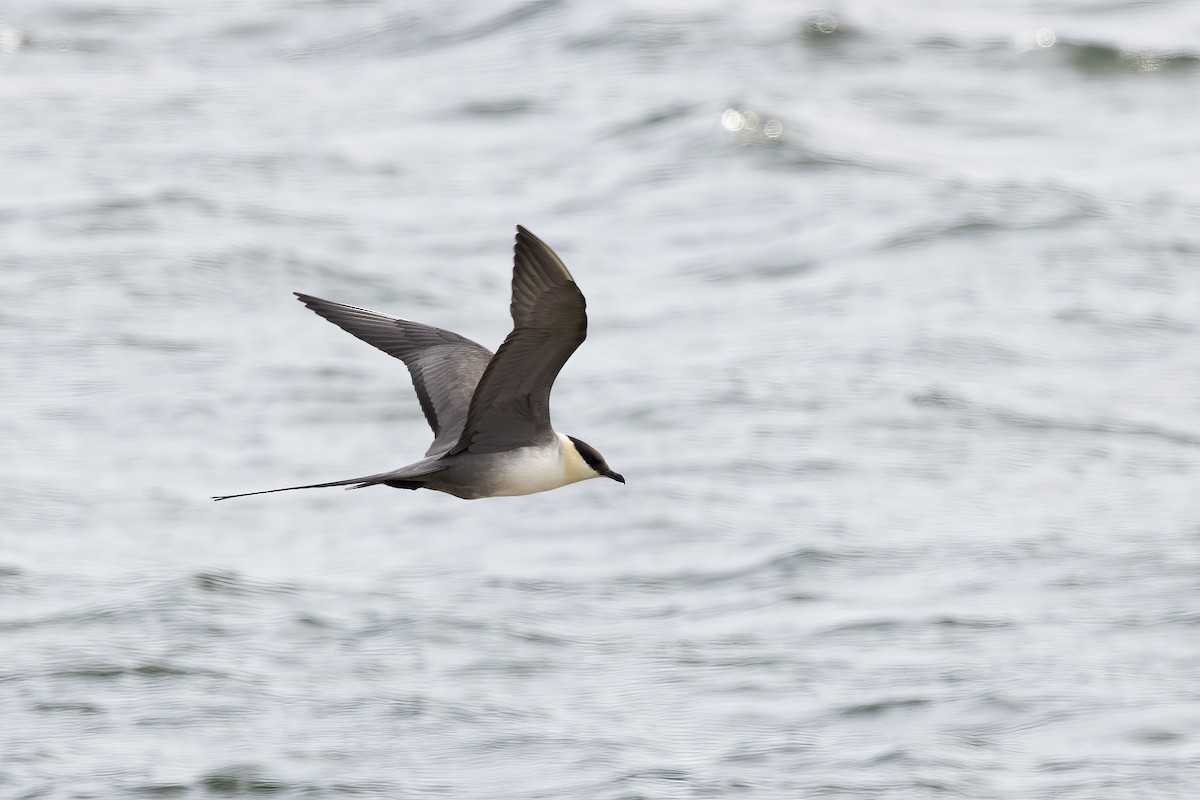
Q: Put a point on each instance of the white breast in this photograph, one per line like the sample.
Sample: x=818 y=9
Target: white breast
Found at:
x=529 y=470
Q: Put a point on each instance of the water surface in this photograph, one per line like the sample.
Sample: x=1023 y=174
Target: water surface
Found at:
x=894 y=334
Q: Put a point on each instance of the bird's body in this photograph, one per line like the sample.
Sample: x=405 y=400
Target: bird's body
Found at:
x=490 y=413
x=525 y=470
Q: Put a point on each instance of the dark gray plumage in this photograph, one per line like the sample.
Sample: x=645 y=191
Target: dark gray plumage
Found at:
x=511 y=404
x=444 y=366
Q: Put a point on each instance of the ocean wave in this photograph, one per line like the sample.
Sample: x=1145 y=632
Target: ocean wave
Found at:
x=408 y=33
x=1106 y=58
x=1034 y=421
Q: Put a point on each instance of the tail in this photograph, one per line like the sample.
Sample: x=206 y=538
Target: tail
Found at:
x=349 y=484
x=404 y=474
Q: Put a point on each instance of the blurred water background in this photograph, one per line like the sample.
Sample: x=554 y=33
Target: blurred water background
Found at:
x=894 y=334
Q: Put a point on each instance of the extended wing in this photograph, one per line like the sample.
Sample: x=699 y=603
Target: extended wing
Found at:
x=445 y=367
x=511 y=404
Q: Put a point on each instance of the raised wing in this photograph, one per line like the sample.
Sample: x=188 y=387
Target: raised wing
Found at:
x=511 y=404
x=445 y=367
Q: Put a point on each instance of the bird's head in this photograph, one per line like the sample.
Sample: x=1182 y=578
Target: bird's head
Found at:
x=594 y=461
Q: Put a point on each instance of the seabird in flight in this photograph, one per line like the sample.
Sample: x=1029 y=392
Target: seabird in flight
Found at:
x=490 y=413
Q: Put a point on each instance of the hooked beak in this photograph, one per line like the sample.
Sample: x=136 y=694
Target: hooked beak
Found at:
x=614 y=476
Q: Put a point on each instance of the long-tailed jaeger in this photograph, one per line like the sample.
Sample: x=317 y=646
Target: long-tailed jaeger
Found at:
x=490 y=413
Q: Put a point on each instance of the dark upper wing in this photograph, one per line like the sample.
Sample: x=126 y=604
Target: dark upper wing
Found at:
x=511 y=404
x=445 y=367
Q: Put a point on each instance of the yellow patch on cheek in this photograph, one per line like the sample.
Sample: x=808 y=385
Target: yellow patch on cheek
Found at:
x=574 y=467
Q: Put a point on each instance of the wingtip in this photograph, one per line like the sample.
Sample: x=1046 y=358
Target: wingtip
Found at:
x=540 y=253
x=314 y=303
x=529 y=236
